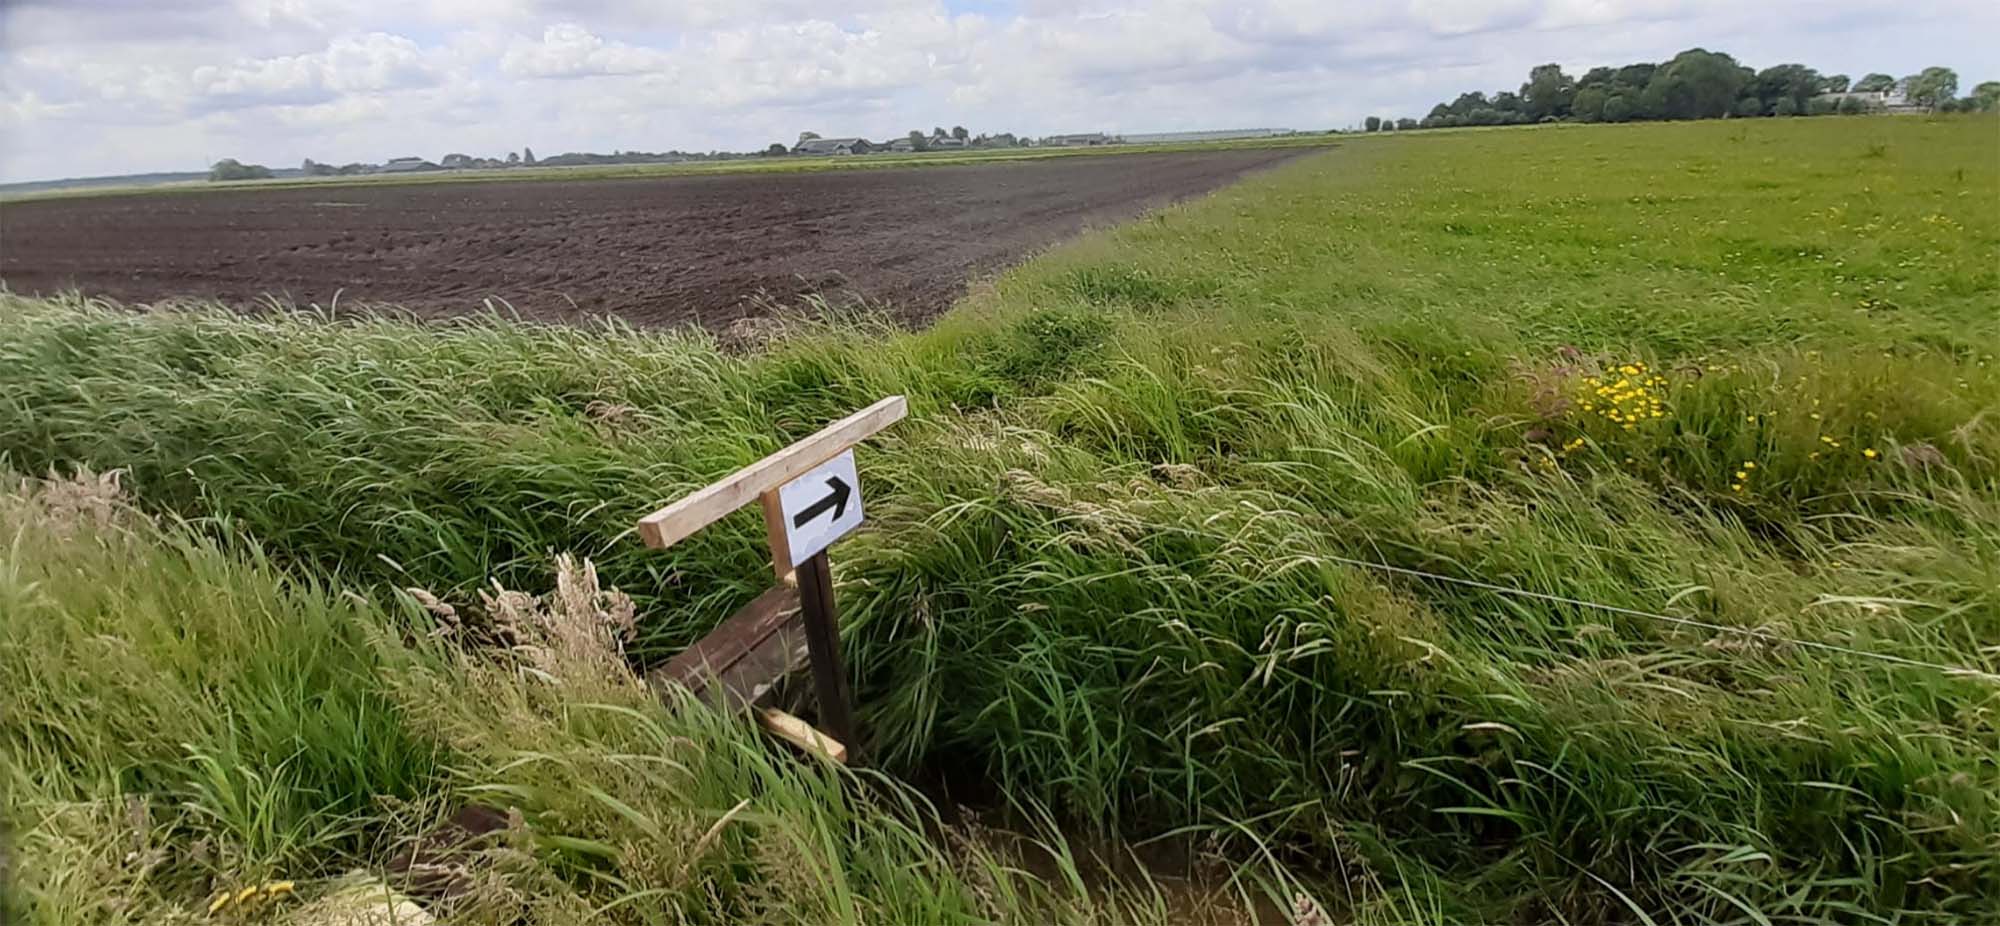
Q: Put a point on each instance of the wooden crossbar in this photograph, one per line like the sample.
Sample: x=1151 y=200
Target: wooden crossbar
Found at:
x=676 y=522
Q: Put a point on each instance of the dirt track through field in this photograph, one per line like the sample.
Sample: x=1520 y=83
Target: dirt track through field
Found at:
x=655 y=251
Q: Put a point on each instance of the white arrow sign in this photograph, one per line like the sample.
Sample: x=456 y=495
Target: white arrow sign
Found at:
x=820 y=507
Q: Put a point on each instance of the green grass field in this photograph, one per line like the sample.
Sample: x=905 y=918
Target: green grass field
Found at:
x=1125 y=563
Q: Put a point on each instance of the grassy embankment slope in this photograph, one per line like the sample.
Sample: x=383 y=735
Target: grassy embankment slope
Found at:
x=1735 y=372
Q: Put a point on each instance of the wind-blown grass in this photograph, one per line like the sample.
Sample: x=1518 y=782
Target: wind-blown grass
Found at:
x=181 y=721
x=1735 y=373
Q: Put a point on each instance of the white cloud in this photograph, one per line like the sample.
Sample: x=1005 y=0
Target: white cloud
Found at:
x=122 y=85
x=348 y=65
x=570 y=50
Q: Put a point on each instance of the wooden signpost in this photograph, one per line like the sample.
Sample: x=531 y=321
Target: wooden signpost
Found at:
x=811 y=496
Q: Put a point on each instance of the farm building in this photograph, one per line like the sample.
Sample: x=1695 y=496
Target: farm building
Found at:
x=407 y=165
x=1080 y=139
x=1892 y=100
x=833 y=146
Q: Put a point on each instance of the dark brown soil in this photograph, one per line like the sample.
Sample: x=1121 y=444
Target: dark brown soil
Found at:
x=708 y=249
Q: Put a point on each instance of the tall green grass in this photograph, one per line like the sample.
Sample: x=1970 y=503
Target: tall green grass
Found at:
x=1111 y=564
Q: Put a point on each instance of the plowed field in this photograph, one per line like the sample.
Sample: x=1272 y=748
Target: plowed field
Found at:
x=709 y=249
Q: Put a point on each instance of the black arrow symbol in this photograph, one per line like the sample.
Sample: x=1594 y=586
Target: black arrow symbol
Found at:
x=836 y=499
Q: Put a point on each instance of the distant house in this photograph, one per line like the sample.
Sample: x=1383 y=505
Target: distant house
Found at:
x=1892 y=100
x=1078 y=140
x=407 y=165
x=946 y=142
x=898 y=144
x=833 y=146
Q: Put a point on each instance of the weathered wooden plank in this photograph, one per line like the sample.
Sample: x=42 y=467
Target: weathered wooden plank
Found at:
x=677 y=521
x=741 y=660
x=801 y=734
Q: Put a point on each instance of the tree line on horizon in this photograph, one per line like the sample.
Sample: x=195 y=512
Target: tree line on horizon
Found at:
x=232 y=169
x=1695 y=84
x=920 y=141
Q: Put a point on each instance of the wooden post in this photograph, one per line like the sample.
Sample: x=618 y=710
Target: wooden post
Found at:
x=774 y=535
x=823 y=641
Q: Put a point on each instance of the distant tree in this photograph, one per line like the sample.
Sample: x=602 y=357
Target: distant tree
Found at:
x=777 y=148
x=1986 y=96
x=1588 y=104
x=1634 y=77
x=807 y=136
x=1833 y=83
x=1785 y=106
x=312 y=168
x=513 y=157
x=528 y=157
x=1507 y=102
x=1599 y=77
x=919 y=141
x=1875 y=83
x=1616 y=109
x=1467 y=102
x=1795 y=81
x=1852 y=106
x=1821 y=106
x=1748 y=106
x=959 y=132
x=1932 y=87
x=1696 y=84
x=1405 y=124
x=455 y=160
x=937 y=131
x=1372 y=124
x=1548 y=92
x=232 y=169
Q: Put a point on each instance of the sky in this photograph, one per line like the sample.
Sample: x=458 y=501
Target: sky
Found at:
x=98 y=87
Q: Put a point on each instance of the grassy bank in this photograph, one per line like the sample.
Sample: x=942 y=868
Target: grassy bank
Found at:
x=185 y=723
x=1733 y=373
